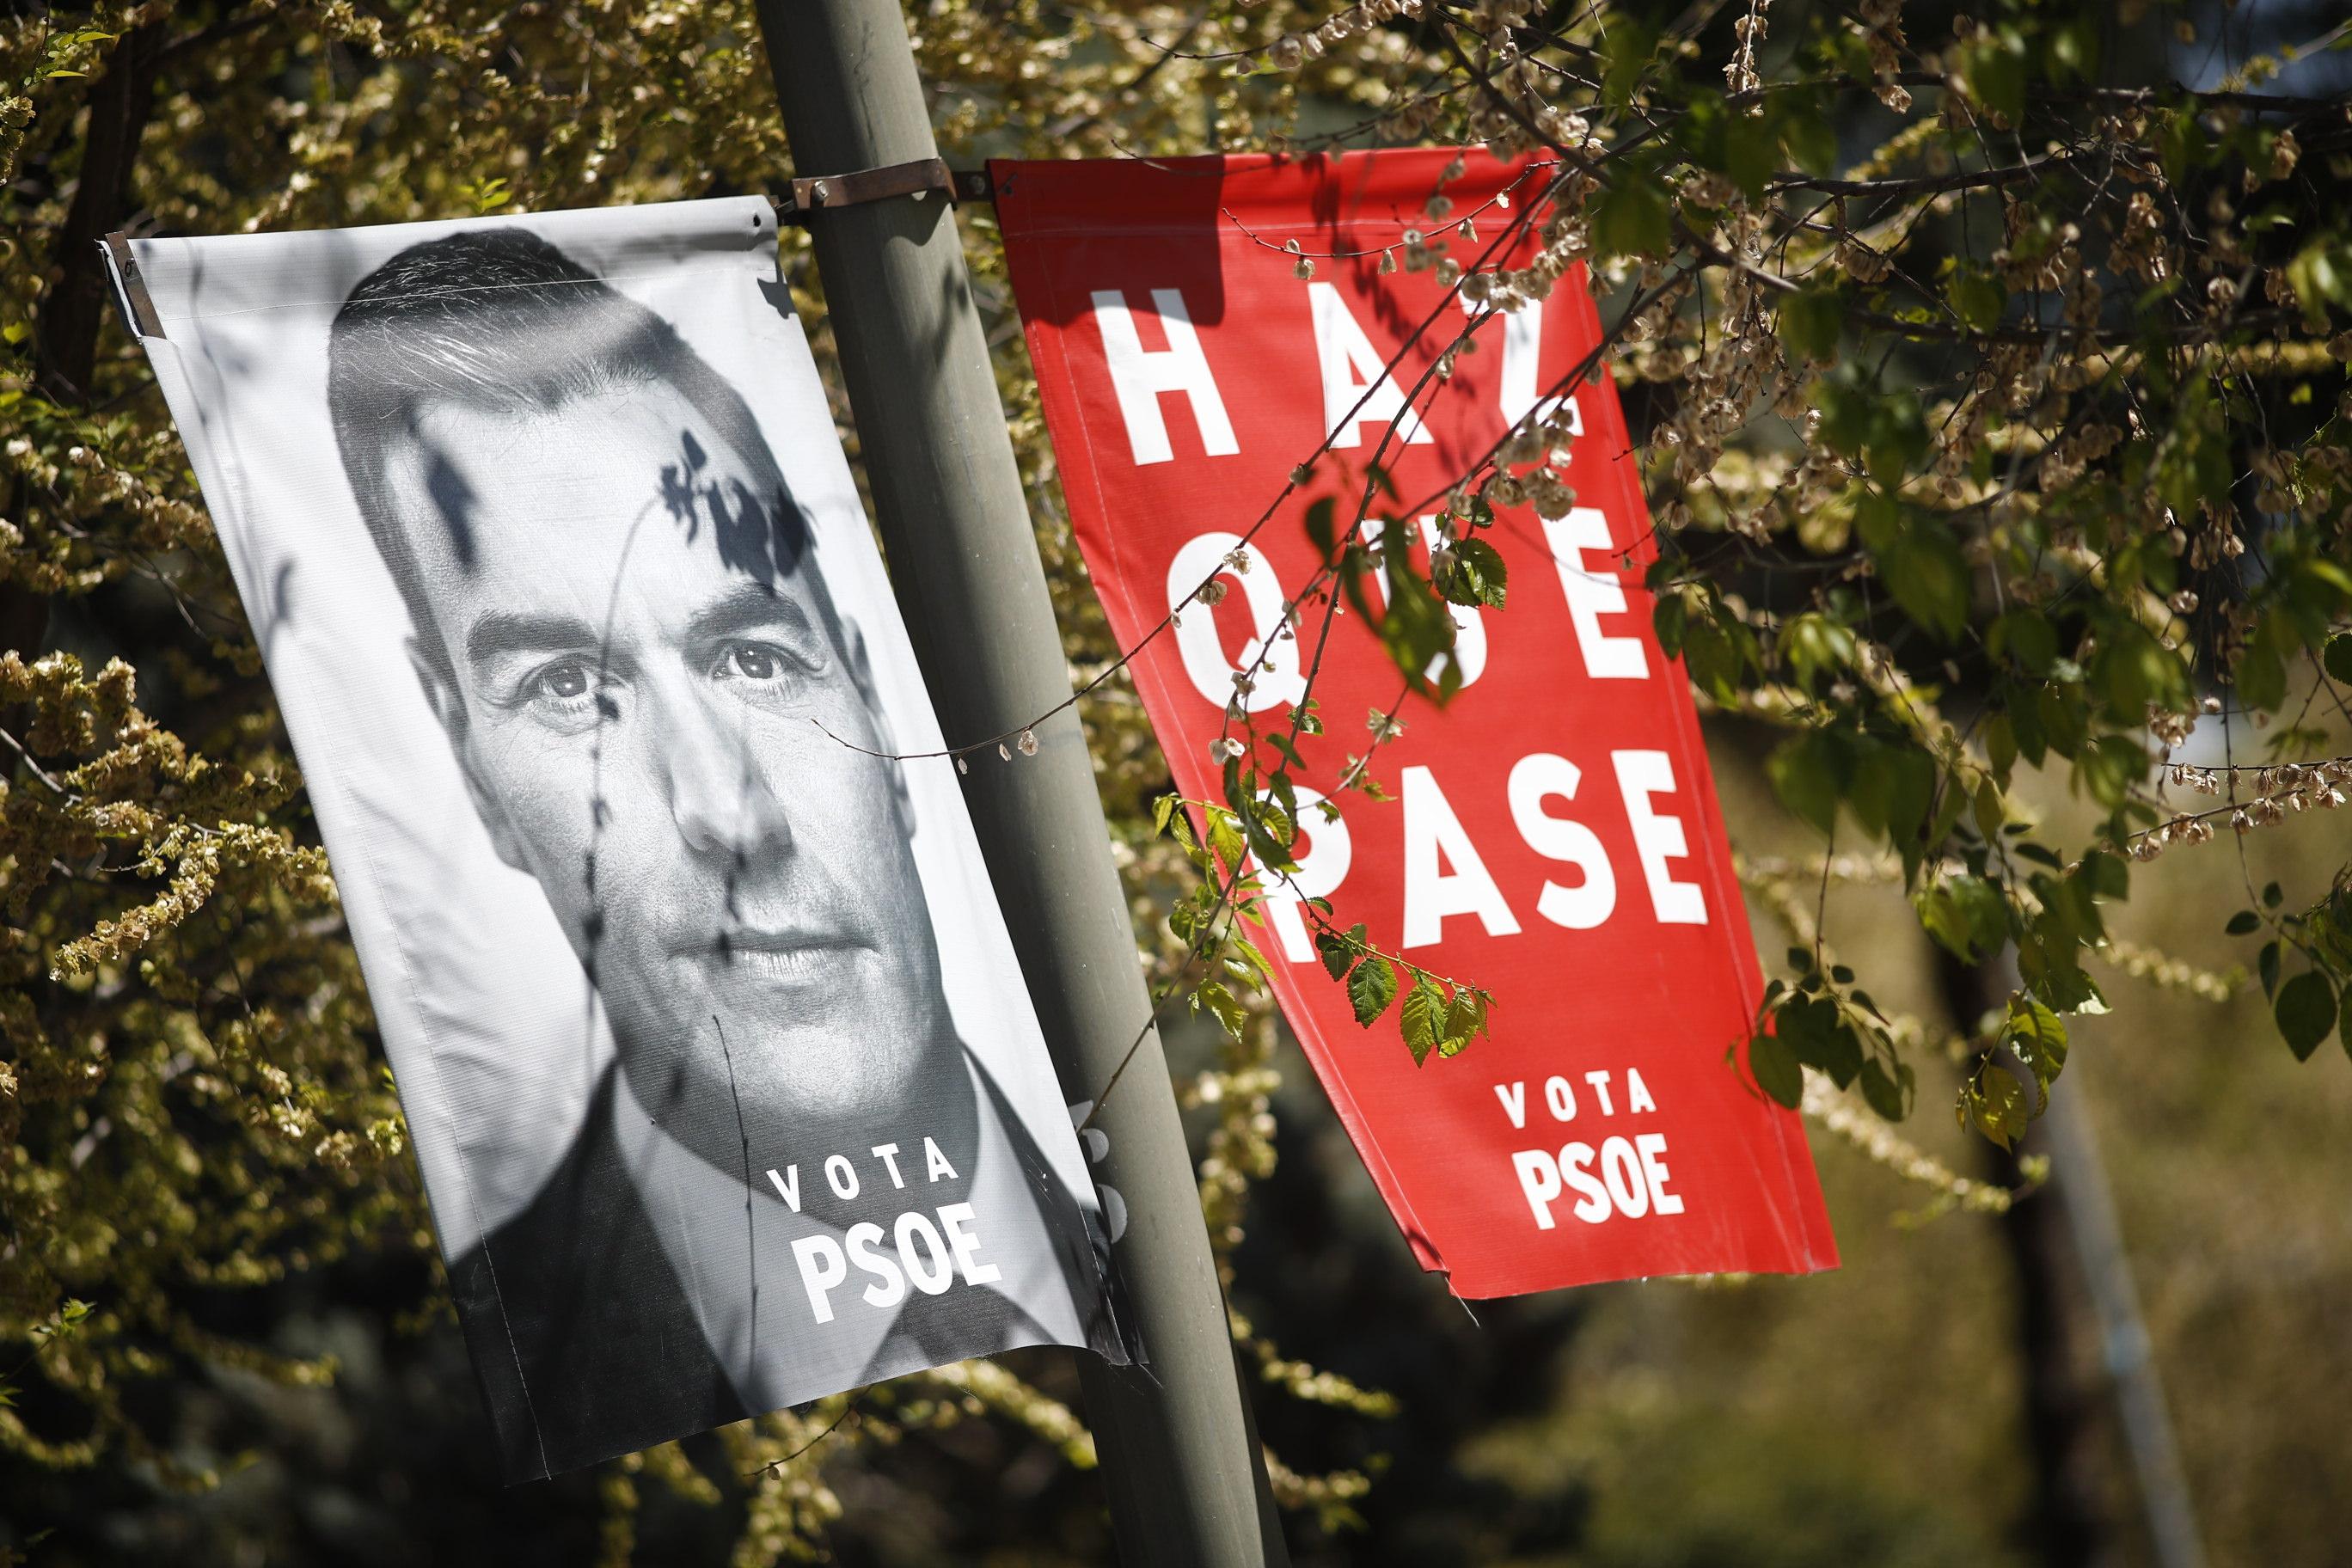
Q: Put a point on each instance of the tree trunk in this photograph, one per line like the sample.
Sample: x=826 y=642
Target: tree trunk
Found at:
x=2064 y=1525
x=65 y=341
x=120 y=102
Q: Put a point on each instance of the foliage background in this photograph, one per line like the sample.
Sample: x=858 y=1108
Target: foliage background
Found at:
x=222 y=1336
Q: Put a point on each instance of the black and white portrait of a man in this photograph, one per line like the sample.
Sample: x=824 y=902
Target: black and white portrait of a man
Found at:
x=792 y=1176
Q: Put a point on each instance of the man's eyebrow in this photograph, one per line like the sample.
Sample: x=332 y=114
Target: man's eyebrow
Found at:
x=505 y=632
x=746 y=607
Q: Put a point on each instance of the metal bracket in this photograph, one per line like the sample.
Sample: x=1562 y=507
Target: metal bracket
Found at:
x=917 y=180
x=131 y=294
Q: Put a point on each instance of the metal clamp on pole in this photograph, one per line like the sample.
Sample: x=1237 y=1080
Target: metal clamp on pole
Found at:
x=918 y=179
x=130 y=290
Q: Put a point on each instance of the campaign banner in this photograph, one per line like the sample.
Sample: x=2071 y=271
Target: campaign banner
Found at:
x=1200 y=327
x=723 y=1081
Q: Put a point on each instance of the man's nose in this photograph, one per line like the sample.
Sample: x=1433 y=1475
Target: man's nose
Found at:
x=720 y=796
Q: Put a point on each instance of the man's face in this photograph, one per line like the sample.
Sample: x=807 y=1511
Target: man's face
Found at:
x=643 y=700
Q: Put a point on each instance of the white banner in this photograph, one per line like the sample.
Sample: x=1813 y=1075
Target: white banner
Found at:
x=716 y=1055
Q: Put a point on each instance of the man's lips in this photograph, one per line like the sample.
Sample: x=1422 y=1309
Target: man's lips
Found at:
x=790 y=952
x=790 y=939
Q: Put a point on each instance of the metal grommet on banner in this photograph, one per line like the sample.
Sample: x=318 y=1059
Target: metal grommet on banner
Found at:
x=917 y=180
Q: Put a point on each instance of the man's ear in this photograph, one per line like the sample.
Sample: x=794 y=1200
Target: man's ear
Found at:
x=861 y=671
x=448 y=705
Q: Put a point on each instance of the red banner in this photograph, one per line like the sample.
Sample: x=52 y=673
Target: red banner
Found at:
x=1551 y=833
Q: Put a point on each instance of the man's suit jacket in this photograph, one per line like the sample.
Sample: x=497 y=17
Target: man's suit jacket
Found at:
x=587 y=1345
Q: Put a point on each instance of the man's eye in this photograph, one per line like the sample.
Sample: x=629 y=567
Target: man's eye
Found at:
x=565 y=682
x=747 y=661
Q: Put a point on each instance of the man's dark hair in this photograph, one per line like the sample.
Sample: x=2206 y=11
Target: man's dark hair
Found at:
x=500 y=320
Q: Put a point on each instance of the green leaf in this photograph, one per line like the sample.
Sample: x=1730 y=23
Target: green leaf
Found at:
x=2261 y=676
x=2073 y=48
x=2069 y=990
x=2133 y=669
x=1845 y=406
x=1993 y=1103
x=2000 y=746
x=2109 y=767
x=2320 y=274
x=1471 y=572
x=1929 y=578
x=1271 y=835
x=1808 y=774
x=2023 y=712
x=1632 y=218
x=1816 y=646
x=1775 y=1069
x=1807 y=133
x=2106 y=875
x=1967 y=915
x=1422 y=1019
x=1319 y=527
x=2064 y=719
x=1221 y=1002
x=1225 y=838
x=2181 y=141
x=1626 y=49
x=2305 y=1011
x=2038 y=1036
x=1286 y=795
x=1807 y=1027
x=1954 y=801
x=2027 y=637
x=1991 y=811
x=1976 y=298
x=2336 y=657
x=1893 y=787
x=1372 y=986
x=1995 y=68
x=1898 y=435
x=1670 y=616
x=1840 y=1053
x=1336 y=953
x=1811 y=320
x=1464 y=1020
x=1718 y=650
x=1161 y=810
x=1887 y=1093
x=2244 y=921
x=2266 y=965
